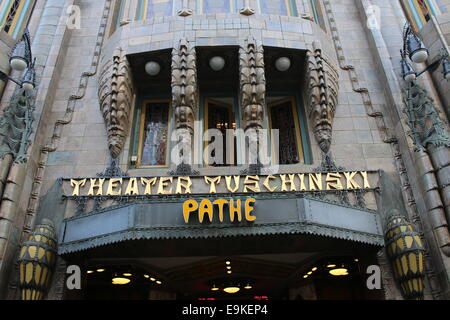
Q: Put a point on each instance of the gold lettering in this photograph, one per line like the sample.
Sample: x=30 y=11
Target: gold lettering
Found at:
x=220 y=203
x=236 y=184
x=189 y=207
x=334 y=181
x=132 y=188
x=249 y=208
x=366 y=180
x=351 y=184
x=205 y=207
x=98 y=185
x=114 y=183
x=252 y=180
x=285 y=181
x=302 y=182
x=235 y=210
x=76 y=184
x=164 y=183
x=315 y=181
x=266 y=184
x=213 y=182
x=148 y=183
x=186 y=187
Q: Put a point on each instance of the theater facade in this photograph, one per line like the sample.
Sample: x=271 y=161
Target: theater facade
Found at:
x=225 y=149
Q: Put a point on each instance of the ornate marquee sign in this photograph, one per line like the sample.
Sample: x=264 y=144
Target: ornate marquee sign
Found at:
x=230 y=198
x=146 y=186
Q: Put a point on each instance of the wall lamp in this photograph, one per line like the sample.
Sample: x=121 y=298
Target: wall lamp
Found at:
x=414 y=48
x=21 y=59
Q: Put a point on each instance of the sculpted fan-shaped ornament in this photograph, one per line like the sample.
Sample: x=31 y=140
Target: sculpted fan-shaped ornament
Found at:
x=116 y=94
x=322 y=81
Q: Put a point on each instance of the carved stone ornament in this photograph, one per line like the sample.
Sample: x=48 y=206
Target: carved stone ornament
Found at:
x=322 y=80
x=116 y=95
x=185 y=11
x=252 y=83
x=184 y=98
x=15 y=126
x=423 y=119
x=184 y=85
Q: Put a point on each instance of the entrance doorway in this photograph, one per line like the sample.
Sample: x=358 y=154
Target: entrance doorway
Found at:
x=268 y=267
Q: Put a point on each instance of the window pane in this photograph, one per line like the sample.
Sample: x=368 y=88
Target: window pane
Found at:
x=154 y=146
x=216 y=6
x=220 y=117
x=274 y=7
x=282 y=118
x=157 y=8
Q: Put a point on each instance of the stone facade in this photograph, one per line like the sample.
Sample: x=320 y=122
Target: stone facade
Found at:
x=369 y=130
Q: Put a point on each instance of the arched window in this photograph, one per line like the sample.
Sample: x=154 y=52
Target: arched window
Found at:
x=14 y=15
x=280 y=7
x=148 y=9
x=419 y=12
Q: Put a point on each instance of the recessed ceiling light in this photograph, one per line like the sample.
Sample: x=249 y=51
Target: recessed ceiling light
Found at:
x=120 y=281
x=339 y=272
x=231 y=289
x=127 y=274
x=100 y=270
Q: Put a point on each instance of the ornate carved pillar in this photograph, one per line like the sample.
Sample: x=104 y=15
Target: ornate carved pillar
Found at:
x=116 y=96
x=184 y=100
x=432 y=157
x=322 y=80
x=253 y=93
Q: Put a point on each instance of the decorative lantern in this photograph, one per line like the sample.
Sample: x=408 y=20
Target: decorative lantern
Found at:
x=36 y=262
x=406 y=253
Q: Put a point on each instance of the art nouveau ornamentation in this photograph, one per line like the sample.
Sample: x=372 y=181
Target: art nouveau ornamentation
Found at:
x=37 y=261
x=406 y=253
x=252 y=83
x=184 y=95
x=322 y=95
x=423 y=119
x=116 y=95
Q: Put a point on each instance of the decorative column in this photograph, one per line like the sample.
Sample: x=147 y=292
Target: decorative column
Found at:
x=116 y=95
x=184 y=102
x=15 y=130
x=253 y=96
x=322 y=80
x=432 y=157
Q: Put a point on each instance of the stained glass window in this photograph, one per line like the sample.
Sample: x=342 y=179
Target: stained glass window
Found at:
x=14 y=15
x=148 y=9
x=280 y=7
x=154 y=134
x=283 y=117
x=220 y=116
x=419 y=12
